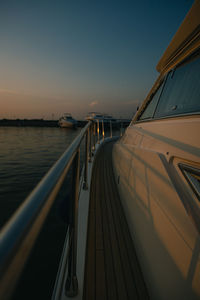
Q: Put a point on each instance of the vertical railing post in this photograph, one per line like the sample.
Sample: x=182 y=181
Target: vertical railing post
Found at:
x=121 y=129
x=94 y=135
x=98 y=130
x=90 y=143
x=102 y=130
x=71 y=286
x=110 y=128
x=85 y=183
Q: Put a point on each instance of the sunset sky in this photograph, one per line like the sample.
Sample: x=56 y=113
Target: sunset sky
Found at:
x=80 y=56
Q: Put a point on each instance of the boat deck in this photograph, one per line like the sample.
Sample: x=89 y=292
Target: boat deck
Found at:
x=112 y=270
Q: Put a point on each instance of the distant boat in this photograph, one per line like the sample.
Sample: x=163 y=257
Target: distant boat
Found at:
x=67 y=121
x=95 y=116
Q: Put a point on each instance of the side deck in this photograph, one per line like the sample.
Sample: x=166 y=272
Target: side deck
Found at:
x=112 y=270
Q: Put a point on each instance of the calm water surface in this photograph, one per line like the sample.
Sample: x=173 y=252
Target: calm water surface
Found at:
x=26 y=154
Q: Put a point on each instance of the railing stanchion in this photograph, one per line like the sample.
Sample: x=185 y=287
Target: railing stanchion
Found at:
x=90 y=143
x=94 y=136
x=102 y=130
x=121 y=129
x=71 y=286
x=98 y=130
x=110 y=128
x=85 y=183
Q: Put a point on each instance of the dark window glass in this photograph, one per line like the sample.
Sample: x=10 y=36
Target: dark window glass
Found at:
x=151 y=106
x=181 y=93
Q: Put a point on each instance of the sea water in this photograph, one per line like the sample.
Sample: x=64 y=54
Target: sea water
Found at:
x=26 y=154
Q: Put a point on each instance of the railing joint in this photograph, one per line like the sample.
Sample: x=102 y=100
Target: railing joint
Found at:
x=85 y=186
x=71 y=287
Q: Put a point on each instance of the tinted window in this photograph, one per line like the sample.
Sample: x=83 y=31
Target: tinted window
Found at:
x=181 y=93
x=151 y=106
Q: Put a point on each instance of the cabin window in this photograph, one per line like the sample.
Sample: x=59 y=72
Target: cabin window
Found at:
x=151 y=105
x=181 y=93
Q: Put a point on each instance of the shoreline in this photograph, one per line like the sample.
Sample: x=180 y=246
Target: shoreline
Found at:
x=53 y=123
x=34 y=123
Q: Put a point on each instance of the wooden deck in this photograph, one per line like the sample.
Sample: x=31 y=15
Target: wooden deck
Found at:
x=112 y=270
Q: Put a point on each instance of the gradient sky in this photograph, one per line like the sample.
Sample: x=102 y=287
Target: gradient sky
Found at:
x=79 y=56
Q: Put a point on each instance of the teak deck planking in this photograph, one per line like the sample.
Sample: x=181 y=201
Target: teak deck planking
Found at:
x=112 y=270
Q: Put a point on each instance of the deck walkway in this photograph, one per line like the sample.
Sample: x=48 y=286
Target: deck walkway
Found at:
x=112 y=270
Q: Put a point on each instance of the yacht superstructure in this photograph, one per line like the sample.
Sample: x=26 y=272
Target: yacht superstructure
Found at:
x=157 y=167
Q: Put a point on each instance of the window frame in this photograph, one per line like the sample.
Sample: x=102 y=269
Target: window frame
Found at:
x=150 y=98
x=164 y=78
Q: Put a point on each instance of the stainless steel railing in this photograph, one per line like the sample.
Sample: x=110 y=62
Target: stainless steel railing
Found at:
x=19 y=235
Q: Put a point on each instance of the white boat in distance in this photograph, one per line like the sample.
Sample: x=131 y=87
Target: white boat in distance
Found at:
x=94 y=116
x=67 y=121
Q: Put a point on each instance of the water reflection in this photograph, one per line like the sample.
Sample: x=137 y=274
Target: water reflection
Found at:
x=26 y=154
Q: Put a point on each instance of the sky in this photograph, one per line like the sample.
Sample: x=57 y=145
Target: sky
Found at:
x=79 y=56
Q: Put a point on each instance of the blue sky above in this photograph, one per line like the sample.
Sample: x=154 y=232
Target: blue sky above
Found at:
x=79 y=56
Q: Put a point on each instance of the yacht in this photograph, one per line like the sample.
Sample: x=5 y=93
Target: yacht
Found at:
x=105 y=118
x=67 y=121
x=134 y=230
x=157 y=169
x=94 y=116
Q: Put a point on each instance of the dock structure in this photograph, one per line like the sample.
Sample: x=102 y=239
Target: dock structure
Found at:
x=112 y=270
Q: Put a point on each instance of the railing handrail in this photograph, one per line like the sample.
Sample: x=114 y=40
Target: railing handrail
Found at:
x=17 y=229
x=19 y=234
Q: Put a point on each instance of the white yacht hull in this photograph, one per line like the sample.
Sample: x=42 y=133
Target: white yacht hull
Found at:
x=167 y=242
x=67 y=124
x=157 y=168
